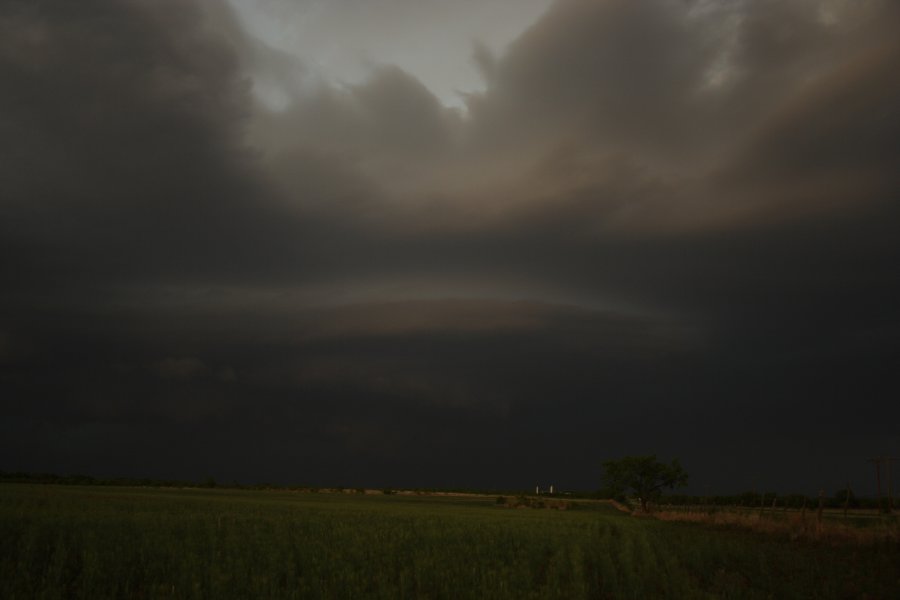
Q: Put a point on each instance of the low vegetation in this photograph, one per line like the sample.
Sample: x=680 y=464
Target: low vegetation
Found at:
x=807 y=525
x=115 y=542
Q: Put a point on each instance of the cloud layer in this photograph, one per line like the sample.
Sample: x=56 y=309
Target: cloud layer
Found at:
x=661 y=227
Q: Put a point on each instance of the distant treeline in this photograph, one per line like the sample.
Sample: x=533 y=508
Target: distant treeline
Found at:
x=22 y=477
x=746 y=499
x=209 y=482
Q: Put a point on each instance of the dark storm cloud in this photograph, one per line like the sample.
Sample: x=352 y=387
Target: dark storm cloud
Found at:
x=347 y=380
x=652 y=97
x=663 y=226
x=613 y=73
x=122 y=145
x=586 y=123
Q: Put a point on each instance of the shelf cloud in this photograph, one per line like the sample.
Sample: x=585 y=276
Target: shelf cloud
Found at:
x=639 y=226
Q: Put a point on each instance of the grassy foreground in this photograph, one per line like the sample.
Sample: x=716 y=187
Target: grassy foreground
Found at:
x=98 y=542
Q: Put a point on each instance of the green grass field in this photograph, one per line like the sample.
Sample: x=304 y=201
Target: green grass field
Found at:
x=107 y=542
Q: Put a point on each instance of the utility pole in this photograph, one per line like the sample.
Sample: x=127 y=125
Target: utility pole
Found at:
x=847 y=500
x=877 y=463
x=887 y=461
x=890 y=485
x=821 y=506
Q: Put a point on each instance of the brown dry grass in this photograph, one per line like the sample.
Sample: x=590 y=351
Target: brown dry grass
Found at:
x=794 y=526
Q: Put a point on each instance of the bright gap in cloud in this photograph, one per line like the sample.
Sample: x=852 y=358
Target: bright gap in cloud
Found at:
x=340 y=41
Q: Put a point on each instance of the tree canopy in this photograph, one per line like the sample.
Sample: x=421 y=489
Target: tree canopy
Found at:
x=643 y=476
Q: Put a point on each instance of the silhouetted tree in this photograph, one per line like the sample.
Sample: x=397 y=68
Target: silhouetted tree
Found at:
x=644 y=476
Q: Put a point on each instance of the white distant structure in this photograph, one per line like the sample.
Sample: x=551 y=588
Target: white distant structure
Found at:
x=551 y=490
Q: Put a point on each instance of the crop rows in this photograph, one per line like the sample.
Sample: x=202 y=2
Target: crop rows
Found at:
x=95 y=542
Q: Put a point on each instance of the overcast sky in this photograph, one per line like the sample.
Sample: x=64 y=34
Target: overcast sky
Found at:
x=450 y=244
